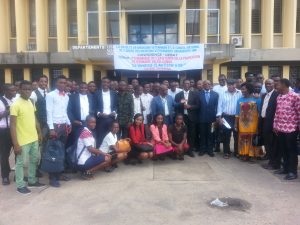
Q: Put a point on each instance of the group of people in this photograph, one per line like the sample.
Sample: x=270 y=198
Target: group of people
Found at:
x=158 y=120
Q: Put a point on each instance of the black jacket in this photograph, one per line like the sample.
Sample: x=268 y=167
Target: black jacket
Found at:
x=267 y=125
x=193 y=101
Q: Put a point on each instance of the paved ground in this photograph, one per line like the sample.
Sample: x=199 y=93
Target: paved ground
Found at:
x=170 y=192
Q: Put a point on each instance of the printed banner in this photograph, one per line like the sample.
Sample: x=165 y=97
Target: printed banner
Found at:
x=173 y=57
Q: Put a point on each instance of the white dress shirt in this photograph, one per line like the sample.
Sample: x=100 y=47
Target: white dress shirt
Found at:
x=33 y=96
x=165 y=104
x=84 y=106
x=227 y=103
x=137 y=104
x=186 y=97
x=146 y=100
x=265 y=104
x=106 y=102
x=220 y=89
x=174 y=93
x=3 y=123
x=56 y=106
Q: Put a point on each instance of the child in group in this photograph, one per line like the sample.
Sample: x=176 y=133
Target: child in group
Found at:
x=141 y=148
x=160 y=137
x=178 y=137
x=90 y=159
x=109 y=146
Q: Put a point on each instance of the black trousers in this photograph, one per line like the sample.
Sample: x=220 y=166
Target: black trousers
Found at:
x=103 y=128
x=288 y=148
x=191 y=133
x=206 y=140
x=5 y=147
x=227 y=135
x=123 y=131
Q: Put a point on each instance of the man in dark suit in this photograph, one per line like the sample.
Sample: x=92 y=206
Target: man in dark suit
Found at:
x=163 y=104
x=207 y=117
x=187 y=105
x=266 y=125
x=106 y=109
x=80 y=106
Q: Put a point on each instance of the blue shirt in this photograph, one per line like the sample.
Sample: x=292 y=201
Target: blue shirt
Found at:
x=251 y=99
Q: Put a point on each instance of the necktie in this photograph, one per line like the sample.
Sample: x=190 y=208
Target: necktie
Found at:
x=207 y=97
x=44 y=93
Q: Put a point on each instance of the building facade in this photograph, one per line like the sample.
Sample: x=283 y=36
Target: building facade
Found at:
x=54 y=37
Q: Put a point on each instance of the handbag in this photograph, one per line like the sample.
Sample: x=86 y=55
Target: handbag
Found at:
x=144 y=147
x=161 y=149
x=53 y=156
x=257 y=140
x=123 y=145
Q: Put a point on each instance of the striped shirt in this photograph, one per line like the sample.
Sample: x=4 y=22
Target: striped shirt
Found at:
x=227 y=102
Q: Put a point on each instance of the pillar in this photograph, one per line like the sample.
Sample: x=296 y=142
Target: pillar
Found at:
x=8 y=75
x=22 y=25
x=103 y=73
x=41 y=11
x=203 y=21
x=225 y=21
x=265 y=71
x=182 y=22
x=66 y=72
x=216 y=73
x=88 y=74
x=246 y=17
x=244 y=69
x=267 y=23
x=82 y=22
x=4 y=27
x=102 y=21
x=224 y=70
x=204 y=74
x=122 y=26
x=286 y=71
x=289 y=23
x=27 y=75
x=46 y=72
x=62 y=25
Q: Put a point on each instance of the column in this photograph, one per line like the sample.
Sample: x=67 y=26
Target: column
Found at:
x=246 y=17
x=122 y=26
x=289 y=23
x=182 y=23
x=204 y=74
x=225 y=21
x=265 y=71
x=267 y=23
x=8 y=75
x=203 y=21
x=88 y=74
x=224 y=70
x=41 y=11
x=103 y=73
x=27 y=75
x=4 y=27
x=46 y=72
x=216 y=72
x=286 y=71
x=66 y=72
x=21 y=24
x=81 y=22
x=62 y=25
x=102 y=21
x=244 y=69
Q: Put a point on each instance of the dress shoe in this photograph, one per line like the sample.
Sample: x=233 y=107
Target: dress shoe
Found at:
x=5 y=181
x=211 y=154
x=291 y=176
x=201 y=153
x=269 y=167
x=64 y=178
x=191 y=154
x=280 y=171
x=54 y=183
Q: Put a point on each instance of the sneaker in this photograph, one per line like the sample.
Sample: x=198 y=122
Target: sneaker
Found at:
x=24 y=191
x=54 y=183
x=36 y=185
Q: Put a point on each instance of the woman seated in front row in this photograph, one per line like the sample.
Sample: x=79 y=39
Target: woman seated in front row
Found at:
x=108 y=146
x=141 y=148
x=178 y=137
x=90 y=159
x=160 y=137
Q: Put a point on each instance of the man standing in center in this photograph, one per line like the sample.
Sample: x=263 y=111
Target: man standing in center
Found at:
x=106 y=109
x=187 y=105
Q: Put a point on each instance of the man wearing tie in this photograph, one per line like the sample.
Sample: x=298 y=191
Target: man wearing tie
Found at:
x=207 y=117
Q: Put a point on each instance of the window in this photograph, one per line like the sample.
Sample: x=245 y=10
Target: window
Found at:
x=17 y=75
x=93 y=24
x=275 y=70
x=235 y=10
x=92 y=5
x=2 y=79
x=72 y=18
x=298 y=17
x=192 y=18
x=113 y=32
x=12 y=19
x=255 y=69
x=234 y=72
x=277 y=16
x=213 y=16
x=76 y=74
x=32 y=20
x=36 y=73
x=256 y=16
x=52 y=18
x=294 y=73
x=153 y=29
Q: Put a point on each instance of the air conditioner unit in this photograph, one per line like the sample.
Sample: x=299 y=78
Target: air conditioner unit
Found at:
x=237 y=41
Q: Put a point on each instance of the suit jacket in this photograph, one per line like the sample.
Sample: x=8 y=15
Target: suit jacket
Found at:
x=267 y=125
x=208 y=111
x=193 y=101
x=74 y=112
x=113 y=101
x=157 y=106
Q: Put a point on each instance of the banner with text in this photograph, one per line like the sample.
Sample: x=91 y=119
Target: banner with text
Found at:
x=169 y=57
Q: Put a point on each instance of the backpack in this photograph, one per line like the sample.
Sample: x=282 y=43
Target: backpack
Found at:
x=53 y=156
x=72 y=158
